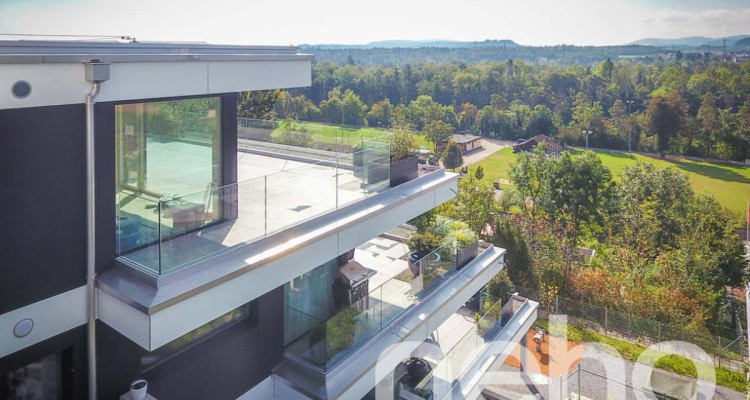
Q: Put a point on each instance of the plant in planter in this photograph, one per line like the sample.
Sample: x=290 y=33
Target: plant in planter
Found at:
x=404 y=165
x=421 y=245
x=459 y=233
x=341 y=330
x=467 y=246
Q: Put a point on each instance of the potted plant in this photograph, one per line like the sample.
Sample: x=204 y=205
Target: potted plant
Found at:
x=465 y=240
x=138 y=389
x=404 y=165
x=467 y=247
x=421 y=245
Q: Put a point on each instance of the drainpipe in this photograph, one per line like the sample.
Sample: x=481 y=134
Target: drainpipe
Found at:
x=96 y=73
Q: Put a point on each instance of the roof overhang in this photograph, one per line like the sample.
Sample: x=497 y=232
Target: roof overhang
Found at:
x=55 y=70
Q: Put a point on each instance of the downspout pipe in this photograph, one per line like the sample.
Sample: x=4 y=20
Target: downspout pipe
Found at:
x=96 y=73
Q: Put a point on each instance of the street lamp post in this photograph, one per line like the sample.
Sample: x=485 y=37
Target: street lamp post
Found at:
x=630 y=122
x=586 y=133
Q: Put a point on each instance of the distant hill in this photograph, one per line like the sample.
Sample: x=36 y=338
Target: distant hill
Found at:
x=414 y=44
x=743 y=42
x=692 y=41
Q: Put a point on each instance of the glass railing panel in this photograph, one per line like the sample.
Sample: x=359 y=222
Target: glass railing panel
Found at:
x=461 y=354
x=190 y=227
x=137 y=229
x=251 y=217
x=436 y=267
x=322 y=343
x=352 y=326
x=376 y=164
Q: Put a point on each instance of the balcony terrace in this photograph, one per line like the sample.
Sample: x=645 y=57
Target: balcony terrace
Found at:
x=278 y=187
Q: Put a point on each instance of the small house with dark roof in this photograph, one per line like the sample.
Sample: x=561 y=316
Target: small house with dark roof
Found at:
x=466 y=142
x=551 y=146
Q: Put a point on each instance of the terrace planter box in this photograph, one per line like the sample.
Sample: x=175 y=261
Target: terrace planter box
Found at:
x=404 y=170
x=465 y=255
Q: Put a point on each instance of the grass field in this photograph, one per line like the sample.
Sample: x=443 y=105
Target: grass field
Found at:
x=730 y=184
x=347 y=135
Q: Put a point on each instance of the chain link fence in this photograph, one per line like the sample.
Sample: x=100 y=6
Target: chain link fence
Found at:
x=583 y=384
x=727 y=348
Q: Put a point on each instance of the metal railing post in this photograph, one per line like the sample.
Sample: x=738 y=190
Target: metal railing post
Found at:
x=579 y=380
x=557 y=304
x=265 y=205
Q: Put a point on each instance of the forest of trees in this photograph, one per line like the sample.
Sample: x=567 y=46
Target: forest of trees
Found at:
x=662 y=251
x=691 y=106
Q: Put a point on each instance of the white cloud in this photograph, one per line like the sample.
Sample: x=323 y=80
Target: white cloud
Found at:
x=713 y=23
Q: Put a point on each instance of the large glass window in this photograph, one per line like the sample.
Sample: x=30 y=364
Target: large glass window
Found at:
x=168 y=154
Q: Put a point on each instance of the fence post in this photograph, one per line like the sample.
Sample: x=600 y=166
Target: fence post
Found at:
x=659 y=334
x=719 y=352
x=630 y=319
x=606 y=320
x=557 y=304
x=582 y=313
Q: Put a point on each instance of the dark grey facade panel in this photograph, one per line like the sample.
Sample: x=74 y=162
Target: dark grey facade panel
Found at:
x=42 y=254
x=223 y=366
x=42 y=198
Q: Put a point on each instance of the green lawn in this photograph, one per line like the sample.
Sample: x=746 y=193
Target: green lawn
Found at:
x=348 y=135
x=730 y=184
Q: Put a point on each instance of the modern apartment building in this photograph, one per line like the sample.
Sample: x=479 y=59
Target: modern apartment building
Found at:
x=150 y=233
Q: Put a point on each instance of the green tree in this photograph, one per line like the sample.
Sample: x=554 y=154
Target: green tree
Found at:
x=380 y=114
x=257 y=104
x=518 y=256
x=581 y=188
x=474 y=205
x=605 y=69
x=666 y=115
x=438 y=131
x=654 y=203
x=479 y=172
x=711 y=123
x=531 y=174
x=452 y=157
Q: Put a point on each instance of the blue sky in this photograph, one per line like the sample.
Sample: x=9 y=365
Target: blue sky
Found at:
x=531 y=22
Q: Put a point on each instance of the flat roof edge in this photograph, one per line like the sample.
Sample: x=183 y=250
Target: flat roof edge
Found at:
x=124 y=58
